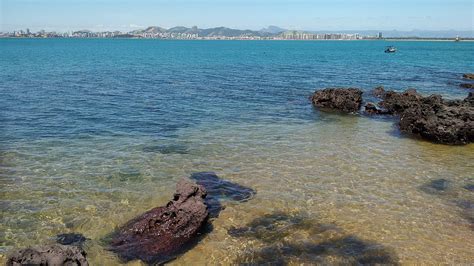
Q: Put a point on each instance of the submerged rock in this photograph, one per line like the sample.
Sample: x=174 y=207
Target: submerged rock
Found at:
x=219 y=190
x=344 y=99
x=447 y=122
x=437 y=186
x=469 y=187
x=49 y=255
x=163 y=233
x=468 y=76
x=73 y=239
x=373 y=109
x=467 y=85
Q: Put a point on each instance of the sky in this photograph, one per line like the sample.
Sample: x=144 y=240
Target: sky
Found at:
x=65 y=15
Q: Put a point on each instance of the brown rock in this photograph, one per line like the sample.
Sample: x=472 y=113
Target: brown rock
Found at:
x=49 y=255
x=163 y=233
x=343 y=99
x=468 y=76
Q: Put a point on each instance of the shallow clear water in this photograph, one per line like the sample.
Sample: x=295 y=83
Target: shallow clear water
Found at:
x=94 y=132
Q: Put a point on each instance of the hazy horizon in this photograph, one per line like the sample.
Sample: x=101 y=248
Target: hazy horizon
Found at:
x=323 y=15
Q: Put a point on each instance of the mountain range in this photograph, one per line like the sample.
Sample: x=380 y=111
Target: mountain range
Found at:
x=274 y=30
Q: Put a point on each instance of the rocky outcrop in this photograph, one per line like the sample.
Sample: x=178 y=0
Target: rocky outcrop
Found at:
x=467 y=85
x=163 y=233
x=49 y=255
x=468 y=76
x=396 y=103
x=447 y=122
x=344 y=99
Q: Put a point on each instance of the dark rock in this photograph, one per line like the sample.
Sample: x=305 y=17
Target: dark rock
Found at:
x=379 y=92
x=163 y=233
x=396 y=103
x=467 y=85
x=49 y=255
x=467 y=211
x=343 y=99
x=438 y=186
x=468 y=76
x=469 y=187
x=372 y=109
x=447 y=122
x=73 y=239
x=219 y=190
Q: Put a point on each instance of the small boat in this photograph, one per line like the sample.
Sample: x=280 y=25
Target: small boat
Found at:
x=457 y=39
x=390 y=49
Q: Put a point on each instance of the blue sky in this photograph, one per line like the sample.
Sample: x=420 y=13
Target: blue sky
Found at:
x=248 y=14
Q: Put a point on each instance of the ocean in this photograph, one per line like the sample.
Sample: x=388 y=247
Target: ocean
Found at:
x=96 y=131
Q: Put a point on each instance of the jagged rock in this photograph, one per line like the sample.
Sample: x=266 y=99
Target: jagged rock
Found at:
x=467 y=85
x=163 y=233
x=343 y=99
x=396 y=103
x=49 y=255
x=379 y=92
x=447 y=122
x=468 y=76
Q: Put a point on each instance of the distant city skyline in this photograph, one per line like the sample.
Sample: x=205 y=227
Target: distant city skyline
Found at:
x=102 y=15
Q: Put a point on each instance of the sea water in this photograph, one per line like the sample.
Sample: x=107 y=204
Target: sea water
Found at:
x=97 y=131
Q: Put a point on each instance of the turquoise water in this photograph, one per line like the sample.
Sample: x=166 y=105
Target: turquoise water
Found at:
x=94 y=132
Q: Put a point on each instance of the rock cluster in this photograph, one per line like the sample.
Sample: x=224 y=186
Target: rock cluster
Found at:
x=49 y=255
x=441 y=121
x=432 y=118
x=344 y=99
x=163 y=233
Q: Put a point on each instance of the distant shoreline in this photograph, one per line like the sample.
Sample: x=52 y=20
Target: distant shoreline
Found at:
x=242 y=39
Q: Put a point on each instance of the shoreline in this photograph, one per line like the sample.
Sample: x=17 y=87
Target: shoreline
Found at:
x=316 y=40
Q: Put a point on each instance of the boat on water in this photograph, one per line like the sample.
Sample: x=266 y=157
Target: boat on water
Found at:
x=390 y=49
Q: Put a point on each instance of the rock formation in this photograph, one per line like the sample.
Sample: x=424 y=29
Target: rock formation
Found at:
x=163 y=233
x=344 y=99
x=467 y=85
x=468 y=76
x=448 y=122
x=49 y=255
x=396 y=103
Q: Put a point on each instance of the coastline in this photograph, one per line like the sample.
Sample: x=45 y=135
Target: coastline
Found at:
x=243 y=39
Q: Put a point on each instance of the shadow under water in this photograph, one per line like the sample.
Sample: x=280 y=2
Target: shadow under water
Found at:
x=220 y=190
x=281 y=234
x=445 y=189
x=167 y=149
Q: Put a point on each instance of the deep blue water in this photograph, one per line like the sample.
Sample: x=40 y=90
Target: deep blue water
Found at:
x=69 y=88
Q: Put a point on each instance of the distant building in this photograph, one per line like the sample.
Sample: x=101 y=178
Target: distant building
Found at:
x=380 y=35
